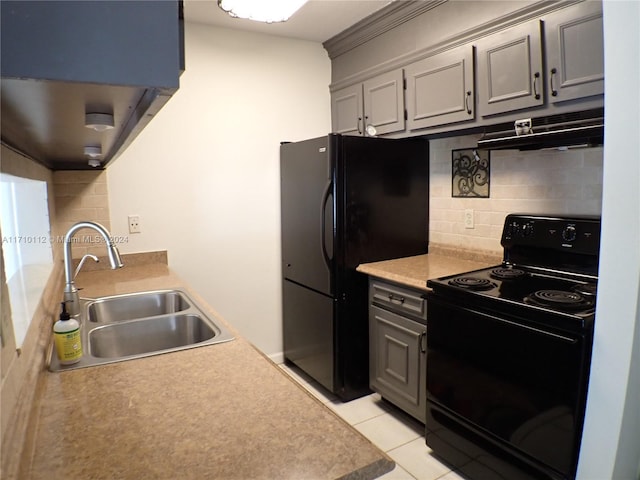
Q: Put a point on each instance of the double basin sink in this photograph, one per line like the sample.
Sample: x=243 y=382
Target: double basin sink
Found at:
x=126 y=327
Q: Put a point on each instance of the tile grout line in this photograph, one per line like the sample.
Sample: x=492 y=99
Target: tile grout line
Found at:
x=367 y=419
x=400 y=446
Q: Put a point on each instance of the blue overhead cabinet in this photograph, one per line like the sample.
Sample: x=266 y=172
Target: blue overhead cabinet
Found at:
x=63 y=60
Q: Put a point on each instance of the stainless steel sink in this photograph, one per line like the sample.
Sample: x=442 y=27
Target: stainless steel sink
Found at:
x=136 y=325
x=143 y=336
x=136 y=305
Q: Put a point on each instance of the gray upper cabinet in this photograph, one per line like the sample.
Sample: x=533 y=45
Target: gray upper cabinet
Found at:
x=575 y=52
x=532 y=59
x=510 y=70
x=347 y=110
x=62 y=60
x=377 y=102
x=384 y=102
x=440 y=89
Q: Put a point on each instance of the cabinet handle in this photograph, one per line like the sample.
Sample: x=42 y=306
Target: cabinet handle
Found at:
x=536 y=76
x=466 y=101
x=393 y=298
x=554 y=92
x=423 y=347
x=359 y=122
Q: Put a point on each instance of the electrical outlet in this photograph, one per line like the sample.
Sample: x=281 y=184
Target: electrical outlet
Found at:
x=468 y=219
x=134 y=224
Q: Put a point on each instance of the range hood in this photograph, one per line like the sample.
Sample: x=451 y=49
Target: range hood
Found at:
x=580 y=129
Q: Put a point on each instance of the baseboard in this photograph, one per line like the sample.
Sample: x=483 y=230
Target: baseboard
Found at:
x=277 y=358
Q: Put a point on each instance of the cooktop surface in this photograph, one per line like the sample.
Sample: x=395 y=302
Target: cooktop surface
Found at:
x=525 y=287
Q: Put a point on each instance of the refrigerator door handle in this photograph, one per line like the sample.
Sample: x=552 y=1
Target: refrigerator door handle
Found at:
x=325 y=199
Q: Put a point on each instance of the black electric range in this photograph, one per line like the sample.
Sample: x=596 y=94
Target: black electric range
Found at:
x=509 y=349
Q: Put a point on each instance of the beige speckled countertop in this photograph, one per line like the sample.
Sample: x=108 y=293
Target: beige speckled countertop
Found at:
x=217 y=412
x=415 y=271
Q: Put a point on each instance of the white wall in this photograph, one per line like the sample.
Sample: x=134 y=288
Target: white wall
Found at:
x=611 y=439
x=204 y=174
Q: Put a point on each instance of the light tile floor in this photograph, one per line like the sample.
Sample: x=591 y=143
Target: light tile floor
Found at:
x=391 y=430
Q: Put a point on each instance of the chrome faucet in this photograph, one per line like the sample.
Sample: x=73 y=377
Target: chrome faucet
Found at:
x=71 y=297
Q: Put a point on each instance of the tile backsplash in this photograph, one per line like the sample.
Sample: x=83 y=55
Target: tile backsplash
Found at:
x=81 y=195
x=543 y=181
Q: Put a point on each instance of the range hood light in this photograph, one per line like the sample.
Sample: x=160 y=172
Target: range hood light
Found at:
x=98 y=121
x=260 y=10
x=94 y=163
x=93 y=151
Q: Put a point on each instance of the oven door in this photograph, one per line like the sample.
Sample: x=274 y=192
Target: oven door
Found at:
x=516 y=387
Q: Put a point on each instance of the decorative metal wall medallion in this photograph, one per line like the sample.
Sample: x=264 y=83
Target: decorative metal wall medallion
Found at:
x=470 y=173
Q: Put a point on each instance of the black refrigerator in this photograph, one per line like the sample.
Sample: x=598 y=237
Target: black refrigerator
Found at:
x=345 y=200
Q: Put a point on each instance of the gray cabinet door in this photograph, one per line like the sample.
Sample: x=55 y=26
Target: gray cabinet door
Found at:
x=398 y=361
x=510 y=70
x=440 y=89
x=575 y=52
x=384 y=102
x=346 y=110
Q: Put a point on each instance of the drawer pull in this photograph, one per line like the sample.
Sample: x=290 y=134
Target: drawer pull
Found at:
x=394 y=299
x=423 y=347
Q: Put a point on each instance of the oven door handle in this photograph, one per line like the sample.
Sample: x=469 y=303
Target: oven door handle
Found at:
x=538 y=331
x=434 y=299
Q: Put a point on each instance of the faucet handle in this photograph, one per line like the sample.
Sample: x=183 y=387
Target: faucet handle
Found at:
x=93 y=257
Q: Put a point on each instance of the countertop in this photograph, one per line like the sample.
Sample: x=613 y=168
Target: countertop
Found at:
x=218 y=412
x=415 y=271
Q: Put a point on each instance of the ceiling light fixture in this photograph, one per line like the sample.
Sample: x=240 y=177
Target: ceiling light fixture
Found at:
x=93 y=151
x=98 y=121
x=261 y=10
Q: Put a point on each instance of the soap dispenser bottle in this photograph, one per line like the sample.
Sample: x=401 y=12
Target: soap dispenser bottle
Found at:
x=66 y=332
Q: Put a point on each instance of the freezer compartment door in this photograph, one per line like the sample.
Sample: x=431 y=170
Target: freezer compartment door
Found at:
x=308 y=332
x=307 y=206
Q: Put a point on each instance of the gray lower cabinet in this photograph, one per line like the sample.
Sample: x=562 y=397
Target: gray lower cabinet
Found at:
x=378 y=102
x=440 y=89
x=575 y=52
x=510 y=70
x=397 y=346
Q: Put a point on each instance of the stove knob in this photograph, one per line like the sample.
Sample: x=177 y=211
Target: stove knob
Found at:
x=569 y=233
x=511 y=230
x=527 y=229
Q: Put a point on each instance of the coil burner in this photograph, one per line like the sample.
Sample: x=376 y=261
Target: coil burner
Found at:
x=586 y=290
x=504 y=273
x=472 y=283
x=559 y=299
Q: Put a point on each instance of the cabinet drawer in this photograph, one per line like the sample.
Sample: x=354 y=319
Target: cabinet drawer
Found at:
x=398 y=299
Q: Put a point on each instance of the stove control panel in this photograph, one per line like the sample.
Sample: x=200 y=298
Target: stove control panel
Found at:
x=576 y=234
